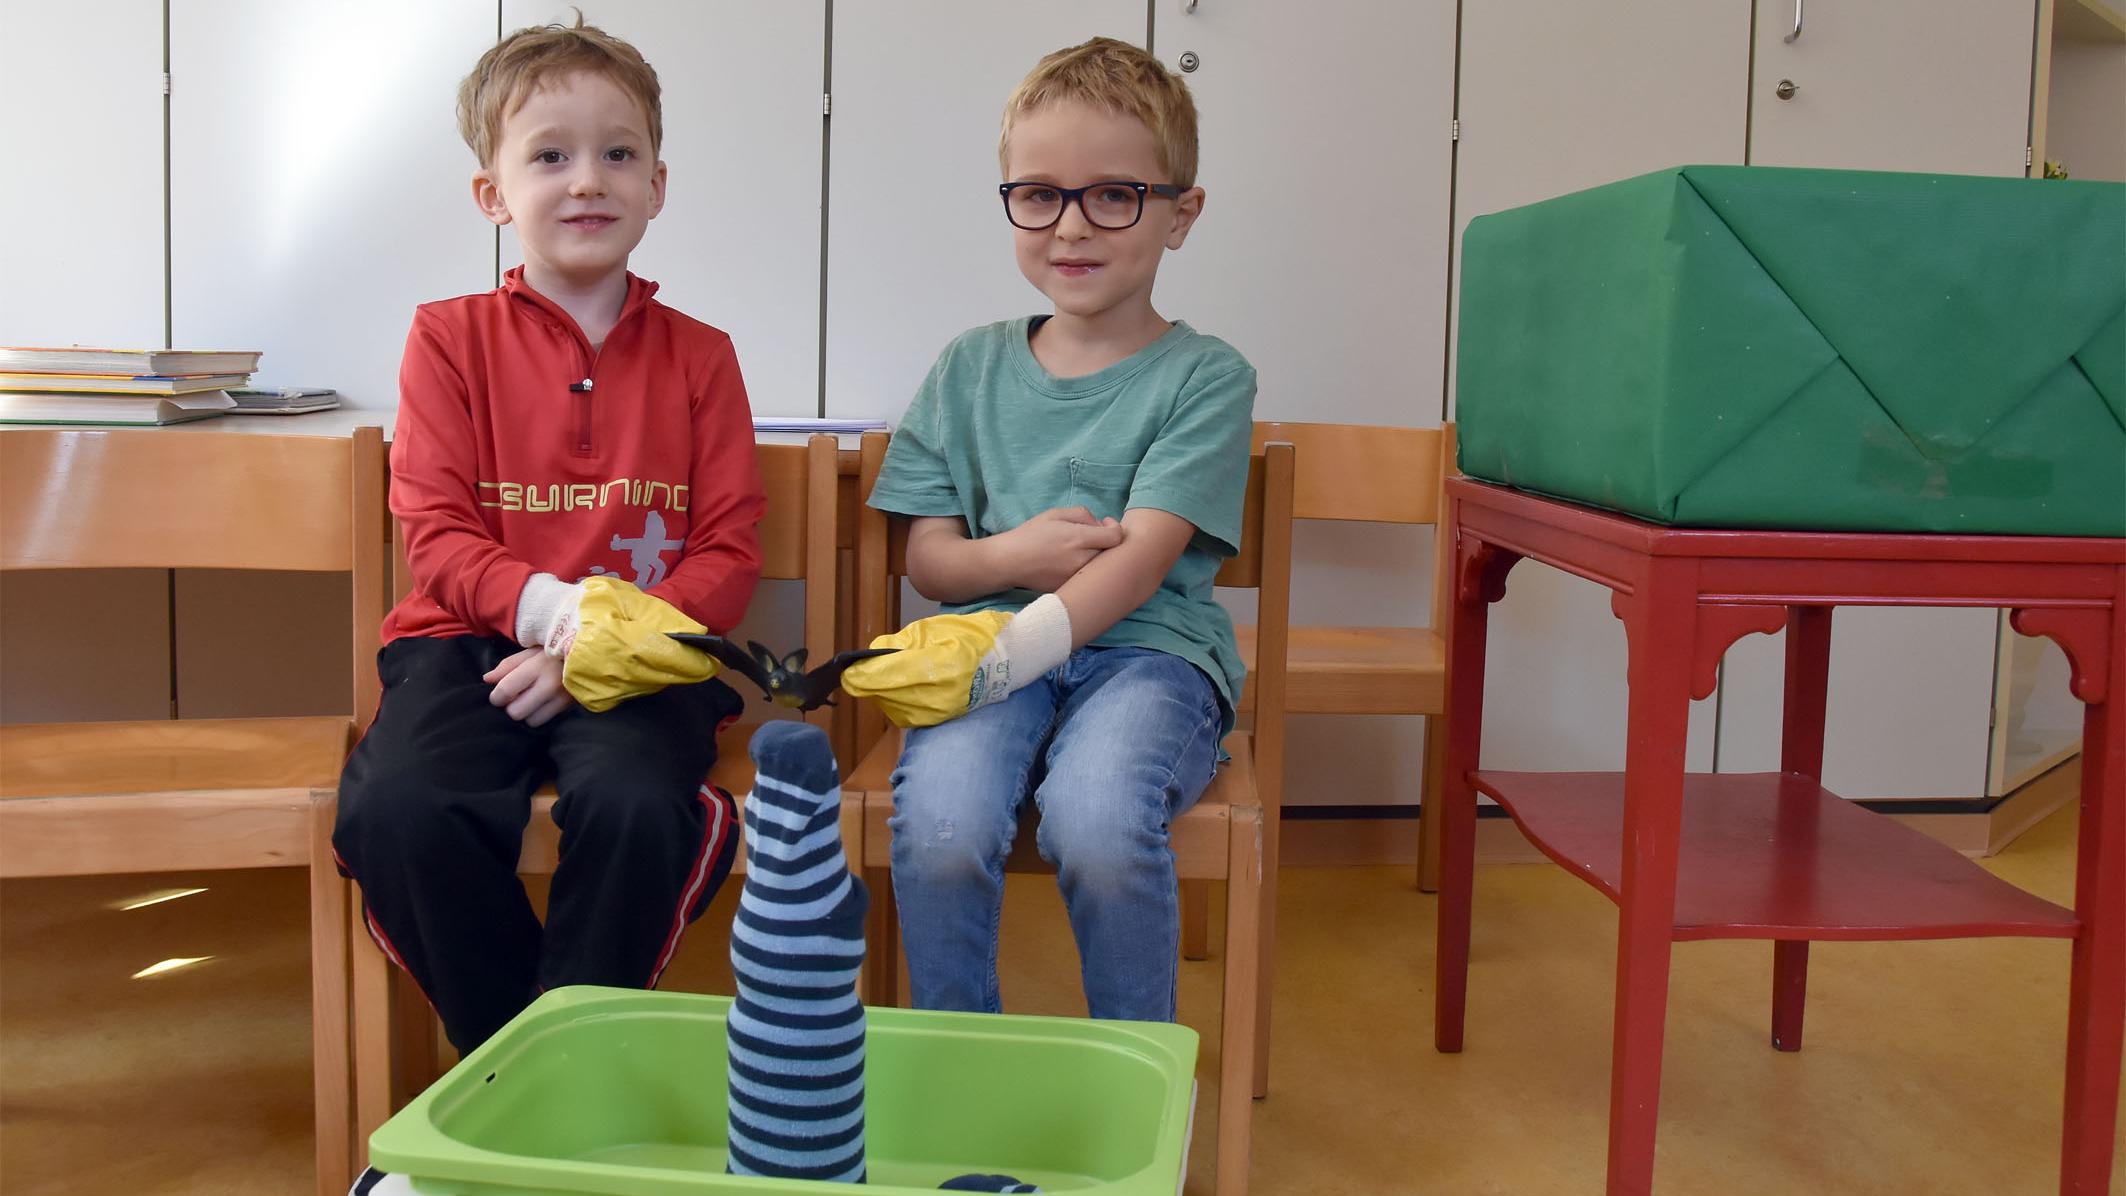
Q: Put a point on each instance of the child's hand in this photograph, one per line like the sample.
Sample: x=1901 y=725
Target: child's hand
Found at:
x=528 y=686
x=1051 y=547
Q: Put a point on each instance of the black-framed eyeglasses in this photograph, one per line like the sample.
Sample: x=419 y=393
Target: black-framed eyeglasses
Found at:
x=1114 y=205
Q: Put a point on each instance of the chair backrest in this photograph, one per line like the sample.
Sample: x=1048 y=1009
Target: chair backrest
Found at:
x=1363 y=473
x=152 y=498
x=1368 y=474
x=797 y=537
x=1263 y=564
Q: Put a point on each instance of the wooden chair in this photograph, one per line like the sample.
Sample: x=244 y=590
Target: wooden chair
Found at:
x=1224 y=836
x=95 y=799
x=1361 y=474
x=394 y=1051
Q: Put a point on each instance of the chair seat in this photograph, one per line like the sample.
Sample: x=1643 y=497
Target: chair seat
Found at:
x=1197 y=838
x=115 y=798
x=1356 y=670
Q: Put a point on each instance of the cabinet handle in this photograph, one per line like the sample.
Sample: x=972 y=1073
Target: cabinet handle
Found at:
x=1797 y=24
x=1188 y=7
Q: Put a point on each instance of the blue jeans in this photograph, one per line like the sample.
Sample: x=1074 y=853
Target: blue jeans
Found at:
x=1111 y=746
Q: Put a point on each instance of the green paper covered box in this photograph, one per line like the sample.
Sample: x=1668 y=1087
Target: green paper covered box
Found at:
x=1733 y=346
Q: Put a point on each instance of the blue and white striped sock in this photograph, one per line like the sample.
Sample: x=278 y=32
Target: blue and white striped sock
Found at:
x=795 y=1033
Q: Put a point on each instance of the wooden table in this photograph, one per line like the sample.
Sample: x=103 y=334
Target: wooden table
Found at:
x=1775 y=855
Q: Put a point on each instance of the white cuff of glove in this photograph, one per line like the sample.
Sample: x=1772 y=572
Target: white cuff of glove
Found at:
x=546 y=613
x=1036 y=640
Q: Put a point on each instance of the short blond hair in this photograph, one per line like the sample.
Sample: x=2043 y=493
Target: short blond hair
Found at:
x=1115 y=77
x=519 y=64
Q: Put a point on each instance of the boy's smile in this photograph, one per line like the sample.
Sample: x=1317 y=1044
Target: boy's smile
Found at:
x=1100 y=279
x=574 y=172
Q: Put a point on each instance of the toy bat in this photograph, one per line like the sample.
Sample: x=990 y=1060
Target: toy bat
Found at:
x=783 y=680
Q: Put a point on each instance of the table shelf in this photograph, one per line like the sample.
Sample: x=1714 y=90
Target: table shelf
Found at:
x=1777 y=856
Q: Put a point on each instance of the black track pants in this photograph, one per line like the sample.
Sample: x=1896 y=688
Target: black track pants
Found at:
x=432 y=809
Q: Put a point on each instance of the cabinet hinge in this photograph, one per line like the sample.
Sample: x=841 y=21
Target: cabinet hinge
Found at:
x=2028 y=152
x=826 y=103
x=1454 y=130
x=166 y=83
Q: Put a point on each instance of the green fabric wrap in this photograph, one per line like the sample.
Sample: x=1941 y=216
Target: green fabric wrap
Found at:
x=1732 y=346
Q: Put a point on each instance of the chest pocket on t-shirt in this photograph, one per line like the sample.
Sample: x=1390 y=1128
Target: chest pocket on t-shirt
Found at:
x=1100 y=487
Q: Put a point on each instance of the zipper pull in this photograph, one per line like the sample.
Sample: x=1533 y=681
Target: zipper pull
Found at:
x=580 y=388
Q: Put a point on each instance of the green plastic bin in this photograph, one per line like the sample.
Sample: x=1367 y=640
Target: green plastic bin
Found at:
x=621 y=1092
x=1732 y=346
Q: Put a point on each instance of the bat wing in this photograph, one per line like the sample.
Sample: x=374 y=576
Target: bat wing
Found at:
x=820 y=683
x=730 y=655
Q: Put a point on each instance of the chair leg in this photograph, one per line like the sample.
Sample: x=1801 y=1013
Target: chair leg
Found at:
x=1790 y=988
x=1195 y=919
x=370 y=1015
x=1245 y=898
x=416 y=1061
x=332 y=1073
x=1429 y=800
x=1265 y=963
x=882 y=958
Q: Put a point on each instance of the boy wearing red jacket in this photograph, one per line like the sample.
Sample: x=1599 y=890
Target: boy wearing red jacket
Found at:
x=573 y=471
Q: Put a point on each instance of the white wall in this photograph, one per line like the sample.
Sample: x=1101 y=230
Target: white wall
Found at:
x=738 y=241
x=81 y=261
x=918 y=249
x=318 y=188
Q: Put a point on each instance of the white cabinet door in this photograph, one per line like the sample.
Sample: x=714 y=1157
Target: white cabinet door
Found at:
x=737 y=244
x=318 y=188
x=1557 y=96
x=81 y=114
x=1326 y=162
x=918 y=250
x=1928 y=85
x=82 y=263
x=2037 y=720
x=1910 y=690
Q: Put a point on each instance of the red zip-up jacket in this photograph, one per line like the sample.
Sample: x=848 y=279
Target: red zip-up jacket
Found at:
x=520 y=450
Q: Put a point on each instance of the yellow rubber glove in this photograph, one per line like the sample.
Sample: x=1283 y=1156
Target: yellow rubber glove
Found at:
x=620 y=649
x=948 y=665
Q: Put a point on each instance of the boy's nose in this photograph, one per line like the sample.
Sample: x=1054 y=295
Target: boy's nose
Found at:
x=1072 y=224
x=585 y=181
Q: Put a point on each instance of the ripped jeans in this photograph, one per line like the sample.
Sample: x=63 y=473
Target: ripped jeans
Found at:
x=1111 y=746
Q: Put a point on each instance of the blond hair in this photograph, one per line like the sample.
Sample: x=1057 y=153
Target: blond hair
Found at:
x=519 y=64
x=1119 y=78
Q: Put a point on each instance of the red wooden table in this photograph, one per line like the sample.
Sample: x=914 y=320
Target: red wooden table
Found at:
x=1775 y=855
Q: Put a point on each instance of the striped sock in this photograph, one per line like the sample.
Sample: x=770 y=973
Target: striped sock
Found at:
x=795 y=1033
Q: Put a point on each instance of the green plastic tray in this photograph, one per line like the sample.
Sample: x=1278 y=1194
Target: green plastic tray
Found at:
x=621 y=1092
x=1808 y=349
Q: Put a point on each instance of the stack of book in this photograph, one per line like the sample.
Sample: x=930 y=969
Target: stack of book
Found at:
x=119 y=386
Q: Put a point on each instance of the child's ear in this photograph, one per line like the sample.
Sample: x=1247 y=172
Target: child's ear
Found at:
x=657 y=191
x=488 y=195
x=1186 y=209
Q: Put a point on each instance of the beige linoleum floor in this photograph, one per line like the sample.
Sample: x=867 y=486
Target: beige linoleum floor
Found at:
x=1930 y=1069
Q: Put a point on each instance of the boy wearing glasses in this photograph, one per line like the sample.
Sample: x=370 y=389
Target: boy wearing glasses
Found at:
x=1084 y=471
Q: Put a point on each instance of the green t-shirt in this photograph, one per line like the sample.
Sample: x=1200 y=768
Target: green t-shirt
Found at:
x=995 y=439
